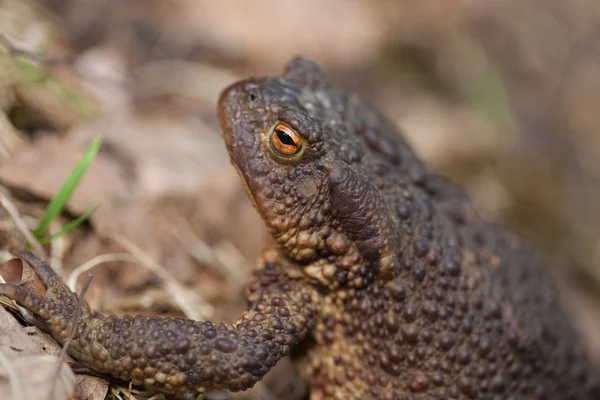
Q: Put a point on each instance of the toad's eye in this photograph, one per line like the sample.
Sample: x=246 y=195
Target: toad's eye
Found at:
x=285 y=140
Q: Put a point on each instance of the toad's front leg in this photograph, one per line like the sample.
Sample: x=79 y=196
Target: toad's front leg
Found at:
x=178 y=355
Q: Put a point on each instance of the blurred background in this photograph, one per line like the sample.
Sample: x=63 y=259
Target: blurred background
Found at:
x=502 y=96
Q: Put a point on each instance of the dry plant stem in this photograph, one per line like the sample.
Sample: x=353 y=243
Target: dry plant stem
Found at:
x=21 y=226
x=72 y=334
x=104 y=258
x=57 y=248
x=236 y=270
x=129 y=393
x=13 y=377
x=230 y=255
x=196 y=310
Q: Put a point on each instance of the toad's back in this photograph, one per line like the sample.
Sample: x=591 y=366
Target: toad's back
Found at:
x=421 y=297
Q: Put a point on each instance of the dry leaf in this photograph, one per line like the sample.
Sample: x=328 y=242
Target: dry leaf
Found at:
x=19 y=359
x=12 y=270
x=91 y=387
x=43 y=384
x=18 y=272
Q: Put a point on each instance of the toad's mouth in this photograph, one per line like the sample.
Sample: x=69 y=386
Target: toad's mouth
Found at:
x=246 y=186
x=226 y=115
x=236 y=156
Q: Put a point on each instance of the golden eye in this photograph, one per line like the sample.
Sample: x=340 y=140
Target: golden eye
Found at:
x=285 y=140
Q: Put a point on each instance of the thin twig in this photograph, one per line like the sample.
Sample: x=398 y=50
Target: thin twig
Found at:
x=226 y=261
x=133 y=394
x=192 y=304
x=104 y=258
x=57 y=248
x=74 y=322
x=22 y=226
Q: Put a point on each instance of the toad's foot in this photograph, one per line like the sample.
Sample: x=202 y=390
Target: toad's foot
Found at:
x=177 y=355
x=54 y=311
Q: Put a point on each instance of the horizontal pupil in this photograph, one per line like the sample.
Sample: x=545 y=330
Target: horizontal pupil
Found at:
x=285 y=138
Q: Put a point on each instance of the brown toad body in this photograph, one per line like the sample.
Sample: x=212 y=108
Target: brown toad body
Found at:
x=382 y=281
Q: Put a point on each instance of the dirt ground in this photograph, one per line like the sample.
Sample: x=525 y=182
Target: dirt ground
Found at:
x=501 y=96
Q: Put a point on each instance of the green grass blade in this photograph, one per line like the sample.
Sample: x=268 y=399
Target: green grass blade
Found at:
x=58 y=202
x=70 y=226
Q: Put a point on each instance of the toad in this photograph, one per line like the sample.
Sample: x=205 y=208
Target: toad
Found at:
x=381 y=280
